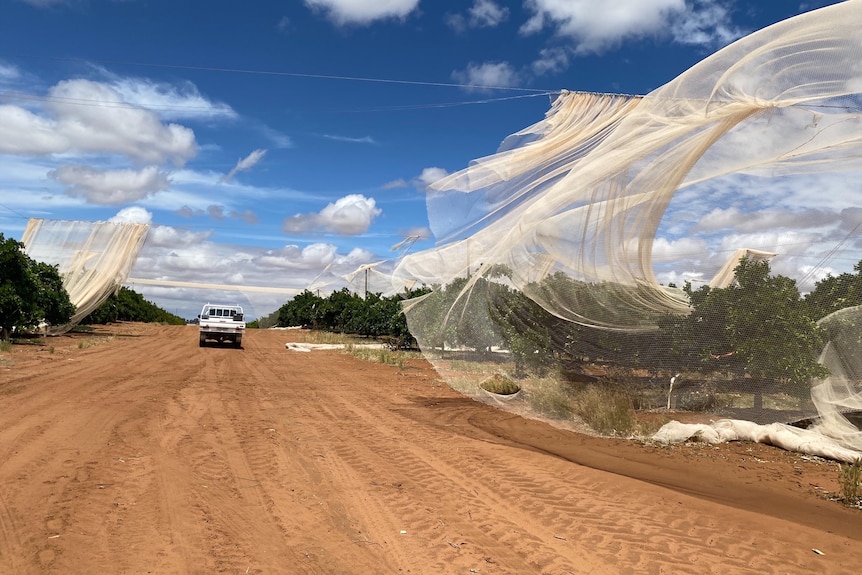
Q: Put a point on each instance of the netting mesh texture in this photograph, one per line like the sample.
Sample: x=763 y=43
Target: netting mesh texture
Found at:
x=93 y=258
x=551 y=248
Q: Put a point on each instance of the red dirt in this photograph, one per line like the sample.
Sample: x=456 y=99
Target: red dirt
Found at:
x=132 y=450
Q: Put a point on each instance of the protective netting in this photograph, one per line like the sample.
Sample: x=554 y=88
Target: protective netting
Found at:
x=546 y=249
x=93 y=258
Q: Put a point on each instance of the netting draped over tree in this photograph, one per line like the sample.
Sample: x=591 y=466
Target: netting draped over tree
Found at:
x=560 y=225
x=94 y=258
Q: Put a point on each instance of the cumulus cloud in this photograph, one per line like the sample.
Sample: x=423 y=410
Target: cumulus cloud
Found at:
x=361 y=11
x=551 y=61
x=487 y=75
x=109 y=187
x=708 y=23
x=674 y=250
x=27 y=133
x=174 y=238
x=350 y=215
x=292 y=256
x=399 y=183
x=245 y=163
x=429 y=176
x=767 y=219
x=487 y=13
x=133 y=215
x=216 y=212
x=482 y=14
x=85 y=117
x=596 y=26
x=103 y=127
x=188 y=212
x=247 y=216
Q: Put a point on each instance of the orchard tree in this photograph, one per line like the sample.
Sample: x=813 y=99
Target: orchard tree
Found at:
x=30 y=291
x=770 y=328
x=300 y=311
x=835 y=292
x=758 y=326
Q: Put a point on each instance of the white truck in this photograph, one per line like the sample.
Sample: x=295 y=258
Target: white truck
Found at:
x=221 y=323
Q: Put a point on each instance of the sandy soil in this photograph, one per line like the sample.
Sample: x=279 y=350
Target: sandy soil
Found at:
x=132 y=450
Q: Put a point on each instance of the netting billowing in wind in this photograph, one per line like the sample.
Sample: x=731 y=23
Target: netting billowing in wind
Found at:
x=743 y=169
x=94 y=258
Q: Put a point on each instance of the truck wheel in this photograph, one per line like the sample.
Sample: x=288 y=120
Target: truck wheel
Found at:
x=203 y=341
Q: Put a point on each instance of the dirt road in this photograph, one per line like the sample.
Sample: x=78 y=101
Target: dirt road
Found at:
x=132 y=450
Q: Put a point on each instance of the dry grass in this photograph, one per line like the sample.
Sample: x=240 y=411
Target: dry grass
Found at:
x=850 y=482
x=500 y=384
x=90 y=342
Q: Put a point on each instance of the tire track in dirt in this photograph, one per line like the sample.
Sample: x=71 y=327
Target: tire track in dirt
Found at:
x=152 y=454
x=542 y=495
x=413 y=471
x=55 y=442
x=276 y=442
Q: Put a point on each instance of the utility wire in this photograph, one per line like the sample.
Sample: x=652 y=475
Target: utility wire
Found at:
x=280 y=73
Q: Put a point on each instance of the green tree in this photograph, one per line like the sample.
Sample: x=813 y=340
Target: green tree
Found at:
x=758 y=326
x=770 y=328
x=129 y=305
x=300 y=311
x=835 y=292
x=30 y=291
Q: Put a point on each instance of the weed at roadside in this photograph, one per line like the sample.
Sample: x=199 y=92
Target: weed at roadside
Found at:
x=850 y=482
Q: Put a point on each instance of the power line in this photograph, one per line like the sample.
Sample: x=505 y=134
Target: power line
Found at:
x=281 y=73
x=217 y=111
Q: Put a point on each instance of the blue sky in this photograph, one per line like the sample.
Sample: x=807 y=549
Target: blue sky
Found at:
x=281 y=143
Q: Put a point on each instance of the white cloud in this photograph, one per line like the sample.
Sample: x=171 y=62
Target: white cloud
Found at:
x=767 y=219
x=278 y=139
x=8 y=72
x=218 y=213
x=26 y=133
x=674 y=250
x=708 y=23
x=482 y=14
x=85 y=117
x=596 y=26
x=171 y=237
x=362 y=140
x=133 y=215
x=88 y=114
x=357 y=256
x=245 y=163
x=362 y=11
x=170 y=101
x=350 y=215
x=110 y=186
x=312 y=256
x=247 y=216
x=429 y=176
x=551 y=61
x=487 y=75
x=399 y=183
x=487 y=14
